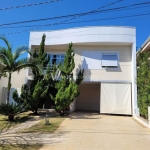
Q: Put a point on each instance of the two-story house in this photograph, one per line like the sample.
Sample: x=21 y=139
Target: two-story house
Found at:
x=108 y=56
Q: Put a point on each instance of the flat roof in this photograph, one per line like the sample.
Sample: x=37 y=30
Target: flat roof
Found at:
x=81 y=28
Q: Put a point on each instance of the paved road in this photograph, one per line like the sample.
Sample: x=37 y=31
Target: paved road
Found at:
x=91 y=131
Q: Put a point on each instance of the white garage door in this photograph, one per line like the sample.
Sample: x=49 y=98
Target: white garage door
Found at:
x=115 y=98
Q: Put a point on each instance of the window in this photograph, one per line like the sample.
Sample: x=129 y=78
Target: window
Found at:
x=109 y=60
x=57 y=58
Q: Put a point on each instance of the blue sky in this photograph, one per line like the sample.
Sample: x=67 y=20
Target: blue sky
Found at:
x=65 y=7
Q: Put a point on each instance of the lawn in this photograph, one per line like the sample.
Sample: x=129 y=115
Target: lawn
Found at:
x=20 y=118
x=55 y=122
x=20 y=147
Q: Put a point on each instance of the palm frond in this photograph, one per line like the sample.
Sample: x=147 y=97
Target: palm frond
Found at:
x=19 y=51
x=6 y=42
x=3 y=72
x=4 y=60
x=25 y=63
x=1 y=68
x=6 y=53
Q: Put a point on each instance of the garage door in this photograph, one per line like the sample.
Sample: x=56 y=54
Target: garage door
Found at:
x=115 y=98
x=89 y=98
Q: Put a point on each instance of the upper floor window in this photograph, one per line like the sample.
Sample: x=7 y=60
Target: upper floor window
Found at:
x=109 y=60
x=57 y=58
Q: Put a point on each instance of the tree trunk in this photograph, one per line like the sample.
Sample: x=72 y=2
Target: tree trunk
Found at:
x=36 y=111
x=62 y=113
x=11 y=117
x=8 y=88
x=7 y=100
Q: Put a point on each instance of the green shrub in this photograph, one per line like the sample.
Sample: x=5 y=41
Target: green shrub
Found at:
x=143 y=82
x=10 y=110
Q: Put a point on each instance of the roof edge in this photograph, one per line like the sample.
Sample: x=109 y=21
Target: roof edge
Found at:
x=82 y=27
x=144 y=44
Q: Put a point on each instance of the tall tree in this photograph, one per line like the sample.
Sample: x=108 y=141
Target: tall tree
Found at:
x=42 y=56
x=32 y=95
x=67 y=87
x=10 y=62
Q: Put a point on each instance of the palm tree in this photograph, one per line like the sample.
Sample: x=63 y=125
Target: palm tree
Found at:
x=10 y=62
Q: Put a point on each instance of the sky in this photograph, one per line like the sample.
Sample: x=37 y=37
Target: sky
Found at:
x=67 y=7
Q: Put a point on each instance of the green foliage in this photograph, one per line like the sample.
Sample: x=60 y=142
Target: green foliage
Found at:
x=42 y=56
x=67 y=88
x=10 y=62
x=32 y=95
x=65 y=95
x=62 y=91
x=69 y=64
x=80 y=76
x=10 y=110
x=143 y=82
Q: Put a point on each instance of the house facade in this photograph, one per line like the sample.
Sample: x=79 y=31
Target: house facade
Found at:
x=108 y=56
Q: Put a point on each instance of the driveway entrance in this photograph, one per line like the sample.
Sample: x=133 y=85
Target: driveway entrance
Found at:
x=92 y=131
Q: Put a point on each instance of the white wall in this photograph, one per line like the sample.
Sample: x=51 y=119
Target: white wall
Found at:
x=122 y=73
x=17 y=81
x=103 y=34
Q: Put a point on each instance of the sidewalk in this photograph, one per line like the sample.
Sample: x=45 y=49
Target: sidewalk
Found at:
x=22 y=126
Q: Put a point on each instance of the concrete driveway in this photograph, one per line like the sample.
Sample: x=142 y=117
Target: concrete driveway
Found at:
x=92 y=131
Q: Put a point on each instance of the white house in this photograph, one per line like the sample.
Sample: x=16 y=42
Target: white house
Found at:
x=108 y=56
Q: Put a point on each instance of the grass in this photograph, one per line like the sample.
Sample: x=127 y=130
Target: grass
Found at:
x=20 y=118
x=55 y=122
x=20 y=147
x=42 y=128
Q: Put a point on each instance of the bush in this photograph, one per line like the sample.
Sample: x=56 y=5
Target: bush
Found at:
x=143 y=82
x=10 y=110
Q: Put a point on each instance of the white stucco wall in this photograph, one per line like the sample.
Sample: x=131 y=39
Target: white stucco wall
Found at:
x=17 y=81
x=122 y=73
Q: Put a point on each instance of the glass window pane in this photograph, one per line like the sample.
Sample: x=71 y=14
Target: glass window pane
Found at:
x=62 y=56
x=58 y=56
x=50 y=62
x=57 y=61
x=109 y=60
x=54 y=59
x=62 y=61
x=54 y=56
x=51 y=56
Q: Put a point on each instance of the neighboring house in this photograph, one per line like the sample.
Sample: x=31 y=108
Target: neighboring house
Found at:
x=18 y=79
x=146 y=46
x=108 y=56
